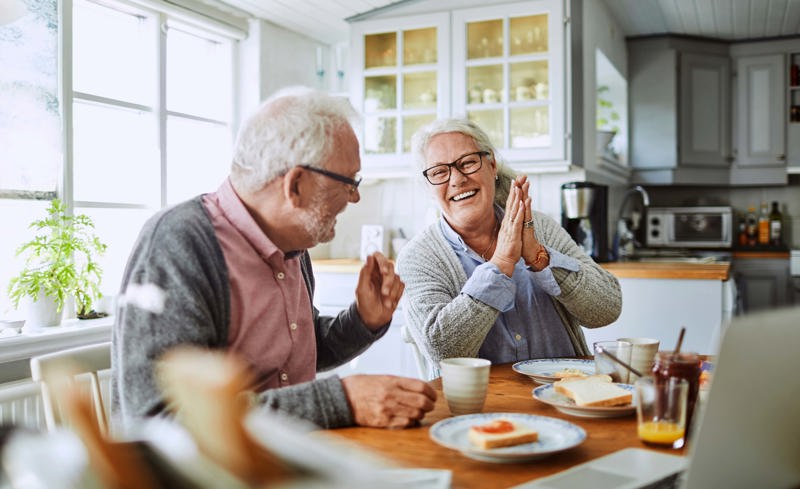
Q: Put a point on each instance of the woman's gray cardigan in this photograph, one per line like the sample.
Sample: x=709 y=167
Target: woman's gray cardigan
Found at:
x=444 y=323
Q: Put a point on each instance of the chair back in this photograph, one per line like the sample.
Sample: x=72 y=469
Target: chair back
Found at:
x=83 y=363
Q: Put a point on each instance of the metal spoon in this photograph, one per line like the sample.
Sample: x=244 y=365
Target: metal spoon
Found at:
x=680 y=342
x=614 y=357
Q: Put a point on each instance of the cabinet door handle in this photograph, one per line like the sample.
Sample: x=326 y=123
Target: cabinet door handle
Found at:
x=781 y=157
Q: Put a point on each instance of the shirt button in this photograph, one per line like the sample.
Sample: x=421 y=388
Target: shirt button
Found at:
x=281 y=275
x=284 y=377
x=293 y=326
x=518 y=337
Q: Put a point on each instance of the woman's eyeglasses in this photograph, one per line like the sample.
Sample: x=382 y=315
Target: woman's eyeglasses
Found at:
x=467 y=165
x=354 y=183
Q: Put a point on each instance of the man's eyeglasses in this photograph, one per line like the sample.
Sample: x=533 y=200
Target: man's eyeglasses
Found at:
x=354 y=183
x=467 y=165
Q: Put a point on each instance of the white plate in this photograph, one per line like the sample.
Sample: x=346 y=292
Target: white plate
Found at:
x=543 y=370
x=555 y=435
x=548 y=395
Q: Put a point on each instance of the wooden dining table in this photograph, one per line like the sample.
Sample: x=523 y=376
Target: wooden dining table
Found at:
x=509 y=392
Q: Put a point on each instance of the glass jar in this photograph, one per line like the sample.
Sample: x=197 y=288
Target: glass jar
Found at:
x=685 y=366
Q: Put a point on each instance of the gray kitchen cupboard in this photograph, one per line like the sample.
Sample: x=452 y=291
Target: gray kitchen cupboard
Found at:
x=761 y=120
x=793 y=131
x=680 y=110
x=762 y=283
x=501 y=64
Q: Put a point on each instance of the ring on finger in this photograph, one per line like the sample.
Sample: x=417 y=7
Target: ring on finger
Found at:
x=528 y=224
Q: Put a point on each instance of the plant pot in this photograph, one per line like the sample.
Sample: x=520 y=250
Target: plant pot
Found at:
x=604 y=139
x=41 y=313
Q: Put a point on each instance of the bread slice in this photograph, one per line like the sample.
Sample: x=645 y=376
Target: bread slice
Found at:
x=593 y=391
x=569 y=372
x=501 y=432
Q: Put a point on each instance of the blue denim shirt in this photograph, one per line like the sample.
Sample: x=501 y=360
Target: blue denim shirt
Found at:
x=528 y=325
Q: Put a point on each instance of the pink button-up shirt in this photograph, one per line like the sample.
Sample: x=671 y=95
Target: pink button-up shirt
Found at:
x=271 y=324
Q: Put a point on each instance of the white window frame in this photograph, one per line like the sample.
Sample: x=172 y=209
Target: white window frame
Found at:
x=71 y=333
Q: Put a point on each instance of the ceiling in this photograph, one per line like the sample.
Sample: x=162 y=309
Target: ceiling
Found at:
x=721 y=19
x=324 y=20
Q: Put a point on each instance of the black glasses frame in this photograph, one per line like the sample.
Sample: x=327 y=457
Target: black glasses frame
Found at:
x=353 y=182
x=457 y=165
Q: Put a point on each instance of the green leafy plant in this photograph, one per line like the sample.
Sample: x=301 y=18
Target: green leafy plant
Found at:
x=60 y=261
x=607 y=115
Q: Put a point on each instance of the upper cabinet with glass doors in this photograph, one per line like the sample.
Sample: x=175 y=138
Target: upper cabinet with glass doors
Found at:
x=401 y=82
x=508 y=76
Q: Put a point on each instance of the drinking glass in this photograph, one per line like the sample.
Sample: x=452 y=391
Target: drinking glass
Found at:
x=661 y=411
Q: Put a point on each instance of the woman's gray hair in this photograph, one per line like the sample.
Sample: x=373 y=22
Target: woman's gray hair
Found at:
x=295 y=126
x=422 y=138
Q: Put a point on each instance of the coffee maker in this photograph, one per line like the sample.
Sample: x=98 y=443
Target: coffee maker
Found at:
x=584 y=214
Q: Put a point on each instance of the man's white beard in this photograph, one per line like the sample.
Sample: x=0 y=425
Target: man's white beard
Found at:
x=318 y=228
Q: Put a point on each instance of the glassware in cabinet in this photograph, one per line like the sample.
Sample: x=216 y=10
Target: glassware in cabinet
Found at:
x=508 y=76
x=402 y=68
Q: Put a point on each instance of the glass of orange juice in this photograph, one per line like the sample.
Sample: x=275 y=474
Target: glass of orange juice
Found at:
x=661 y=411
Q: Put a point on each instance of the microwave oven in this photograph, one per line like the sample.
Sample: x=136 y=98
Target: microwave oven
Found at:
x=690 y=227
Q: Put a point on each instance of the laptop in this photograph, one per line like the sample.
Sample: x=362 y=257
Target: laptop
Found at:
x=748 y=432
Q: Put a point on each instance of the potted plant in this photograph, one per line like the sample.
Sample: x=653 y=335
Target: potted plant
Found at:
x=60 y=264
x=607 y=119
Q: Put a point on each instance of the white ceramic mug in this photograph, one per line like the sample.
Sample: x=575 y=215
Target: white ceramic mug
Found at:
x=465 y=382
x=643 y=354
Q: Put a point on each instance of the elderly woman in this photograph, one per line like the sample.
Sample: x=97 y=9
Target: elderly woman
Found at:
x=506 y=284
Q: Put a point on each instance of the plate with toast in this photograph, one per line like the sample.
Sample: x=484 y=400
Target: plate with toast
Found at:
x=549 y=370
x=594 y=396
x=506 y=437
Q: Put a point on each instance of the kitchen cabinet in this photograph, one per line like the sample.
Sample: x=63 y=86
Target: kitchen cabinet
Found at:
x=761 y=119
x=508 y=76
x=658 y=308
x=762 y=283
x=793 y=132
x=680 y=110
x=502 y=66
x=335 y=287
x=401 y=82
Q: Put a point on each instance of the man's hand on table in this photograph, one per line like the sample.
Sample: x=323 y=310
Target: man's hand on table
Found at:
x=387 y=401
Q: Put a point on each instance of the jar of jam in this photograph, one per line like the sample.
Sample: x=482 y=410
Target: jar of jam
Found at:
x=685 y=366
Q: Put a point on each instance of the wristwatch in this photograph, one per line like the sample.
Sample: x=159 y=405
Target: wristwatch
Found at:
x=541 y=261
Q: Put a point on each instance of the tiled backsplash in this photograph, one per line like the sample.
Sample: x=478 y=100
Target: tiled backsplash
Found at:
x=407 y=204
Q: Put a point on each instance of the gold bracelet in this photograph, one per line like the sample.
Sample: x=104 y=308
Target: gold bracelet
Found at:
x=541 y=261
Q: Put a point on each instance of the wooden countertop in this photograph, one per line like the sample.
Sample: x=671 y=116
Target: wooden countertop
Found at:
x=637 y=269
x=669 y=270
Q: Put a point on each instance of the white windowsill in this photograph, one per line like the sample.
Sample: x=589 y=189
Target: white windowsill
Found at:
x=72 y=333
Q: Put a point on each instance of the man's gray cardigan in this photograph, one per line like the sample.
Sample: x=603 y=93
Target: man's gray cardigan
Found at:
x=444 y=323
x=175 y=291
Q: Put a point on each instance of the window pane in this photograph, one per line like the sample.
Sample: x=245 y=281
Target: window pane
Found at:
x=15 y=215
x=116 y=155
x=530 y=127
x=117 y=228
x=198 y=157
x=114 y=54
x=196 y=68
x=30 y=125
x=492 y=122
x=380 y=135
x=485 y=39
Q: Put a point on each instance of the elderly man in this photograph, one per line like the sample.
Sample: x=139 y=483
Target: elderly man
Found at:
x=229 y=270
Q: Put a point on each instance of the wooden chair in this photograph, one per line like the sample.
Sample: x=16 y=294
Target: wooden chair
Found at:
x=73 y=366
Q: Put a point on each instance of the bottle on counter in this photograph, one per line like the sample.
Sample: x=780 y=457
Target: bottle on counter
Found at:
x=742 y=238
x=775 y=225
x=763 y=225
x=752 y=226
